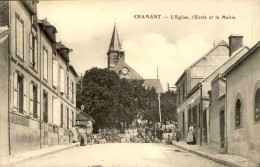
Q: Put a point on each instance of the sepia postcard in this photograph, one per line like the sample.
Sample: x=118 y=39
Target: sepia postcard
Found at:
x=130 y=83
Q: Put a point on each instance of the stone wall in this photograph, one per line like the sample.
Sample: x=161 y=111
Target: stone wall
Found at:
x=242 y=83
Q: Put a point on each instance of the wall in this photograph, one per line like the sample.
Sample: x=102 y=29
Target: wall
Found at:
x=4 y=55
x=241 y=83
x=217 y=105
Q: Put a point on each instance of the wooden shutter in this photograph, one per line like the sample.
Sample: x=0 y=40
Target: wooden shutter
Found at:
x=74 y=85
x=66 y=85
x=31 y=98
x=25 y=110
x=62 y=80
x=35 y=54
x=17 y=23
x=45 y=64
x=38 y=104
x=15 y=91
x=55 y=73
x=56 y=112
x=31 y=48
x=21 y=39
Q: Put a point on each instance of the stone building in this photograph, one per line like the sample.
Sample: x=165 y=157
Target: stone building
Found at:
x=192 y=97
x=242 y=116
x=41 y=80
x=4 y=107
x=217 y=92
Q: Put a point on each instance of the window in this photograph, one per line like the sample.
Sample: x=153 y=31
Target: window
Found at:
x=257 y=106
x=45 y=64
x=183 y=92
x=62 y=77
x=238 y=114
x=72 y=119
x=34 y=100
x=68 y=118
x=54 y=71
x=72 y=91
x=33 y=51
x=115 y=59
x=61 y=115
x=179 y=97
x=195 y=115
x=45 y=107
x=19 y=34
x=18 y=92
x=68 y=87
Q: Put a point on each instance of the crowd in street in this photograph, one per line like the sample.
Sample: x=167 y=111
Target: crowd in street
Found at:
x=134 y=135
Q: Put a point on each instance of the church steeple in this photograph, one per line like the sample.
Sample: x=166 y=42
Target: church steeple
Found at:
x=115 y=52
x=115 y=44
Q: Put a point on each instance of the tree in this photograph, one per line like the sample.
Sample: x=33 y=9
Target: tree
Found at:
x=109 y=99
x=169 y=106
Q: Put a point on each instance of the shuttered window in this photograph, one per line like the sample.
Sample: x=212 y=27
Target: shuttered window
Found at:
x=45 y=64
x=55 y=73
x=72 y=92
x=56 y=112
x=45 y=107
x=61 y=115
x=15 y=94
x=19 y=34
x=257 y=106
x=238 y=114
x=62 y=75
x=33 y=51
x=34 y=100
x=25 y=109
x=18 y=93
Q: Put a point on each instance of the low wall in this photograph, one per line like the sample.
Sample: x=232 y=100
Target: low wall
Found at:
x=29 y=134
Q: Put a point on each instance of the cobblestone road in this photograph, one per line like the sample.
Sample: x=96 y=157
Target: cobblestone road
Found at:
x=122 y=154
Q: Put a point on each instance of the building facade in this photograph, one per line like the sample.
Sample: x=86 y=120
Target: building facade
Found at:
x=242 y=105
x=42 y=82
x=217 y=92
x=192 y=97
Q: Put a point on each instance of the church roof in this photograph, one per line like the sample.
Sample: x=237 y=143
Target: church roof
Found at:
x=115 y=44
x=156 y=83
x=132 y=73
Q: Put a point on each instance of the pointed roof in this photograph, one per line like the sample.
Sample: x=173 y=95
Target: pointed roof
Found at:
x=156 y=83
x=221 y=43
x=115 y=44
x=132 y=73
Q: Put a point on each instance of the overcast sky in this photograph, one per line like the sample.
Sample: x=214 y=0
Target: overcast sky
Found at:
x=172 y=45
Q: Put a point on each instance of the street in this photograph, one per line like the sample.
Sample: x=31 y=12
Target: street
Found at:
x=122 y=154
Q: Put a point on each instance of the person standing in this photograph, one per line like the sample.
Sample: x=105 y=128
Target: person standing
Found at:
x=191 y=139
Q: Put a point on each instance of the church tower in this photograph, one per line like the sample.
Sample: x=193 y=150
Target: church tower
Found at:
x=115 y=53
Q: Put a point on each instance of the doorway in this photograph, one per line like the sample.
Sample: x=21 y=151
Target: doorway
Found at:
x=222 y=129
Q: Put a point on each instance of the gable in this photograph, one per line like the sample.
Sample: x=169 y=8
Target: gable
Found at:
x=130 y=74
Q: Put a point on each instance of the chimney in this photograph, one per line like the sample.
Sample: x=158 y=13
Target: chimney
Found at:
x=235 y=42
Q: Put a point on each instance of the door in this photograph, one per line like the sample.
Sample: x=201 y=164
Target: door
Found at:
x=222 y=129
x=183 y=125
x=205 y=134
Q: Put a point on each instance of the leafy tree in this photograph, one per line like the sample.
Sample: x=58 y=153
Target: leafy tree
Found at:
x=109 y=99
x=169 y=106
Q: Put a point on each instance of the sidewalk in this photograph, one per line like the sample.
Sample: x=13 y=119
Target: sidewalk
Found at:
x=225 y=159
x=14 y=159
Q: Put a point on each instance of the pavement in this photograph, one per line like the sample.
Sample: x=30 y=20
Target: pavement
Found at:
x=122 y=154
x=225 y=159
x=13 y=160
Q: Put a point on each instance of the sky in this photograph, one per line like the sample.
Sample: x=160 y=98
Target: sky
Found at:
x=169 y=44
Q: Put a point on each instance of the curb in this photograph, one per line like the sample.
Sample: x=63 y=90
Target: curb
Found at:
x=220 y=161
x=41 y=155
